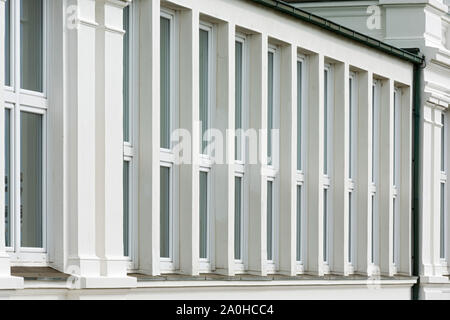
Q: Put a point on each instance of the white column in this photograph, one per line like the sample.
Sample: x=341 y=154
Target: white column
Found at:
x=314 y=173
x=224 y=173
x=339 y=254
x=385 y=188
x=257 y=229
x=288 y=161
x=6 y=280
x=189 y=117
x=364 y=172
x=81 y=149
x=109 y=139
x=149 y=137
x=405 y=196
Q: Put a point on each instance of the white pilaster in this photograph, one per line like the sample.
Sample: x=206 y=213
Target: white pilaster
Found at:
x=386 y=161
x=189 y=116
x=109 y=137
x=314 y=173
x=149 y=138
x=6 y=280
x=364 y=172
x=81 y=149
x=341 y=132
x=257 y=229
x=224 y=173
x=288 y=161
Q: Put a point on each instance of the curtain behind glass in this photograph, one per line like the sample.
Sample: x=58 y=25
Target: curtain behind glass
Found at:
x=31 y=45
x=270 y=108
x=270 y=220
x=165 y=83
x=165 y=213
x=126 y=74
x=237 y=218
x=31 y=180
x=126 y=208
x=325 y=225
x=238 y=112
x=7 y=43
x=203 y=215
x=204 y=86
x=7 y=177
x=325 y=126
x=350 y=123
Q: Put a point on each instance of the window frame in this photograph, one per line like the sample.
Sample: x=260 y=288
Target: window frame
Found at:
x=300 y=172
x=444 y=253
x=396 y=147
x=19 y=100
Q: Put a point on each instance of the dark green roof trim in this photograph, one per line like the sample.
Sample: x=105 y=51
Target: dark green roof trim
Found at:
x=341 y=30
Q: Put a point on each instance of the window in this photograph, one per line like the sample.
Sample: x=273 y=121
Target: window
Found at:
x=168 y=122
x=327 y=161
x=444 y=204
x=25 y=133
x=207 y=52
x=396 y=175
x=273 y=125
x=300 y=174
x=241 y=124
x=352 y=159
x=8 y=43
x=376 y=86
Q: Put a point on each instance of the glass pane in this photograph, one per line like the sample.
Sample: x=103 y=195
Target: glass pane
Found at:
x=395 y=144
x=374 y=138
x=325 y=225
x=238 y=106
x=443 y=141
x=373 y=230
x=299 y=223
x=237 y=218
x=299 y=114
x=270 y=98
x=204 y=215
x=8 y=210
x=394 y=231
x=31 y=45
x=350 y=126
x=165 y=220
x=270 y=220
x=350 y=229
x=442 y=222
x=325 y=126
x=165 y=83
x=31 y=180
x=126 y=208
x=126 y=75
x=204 y=86
x=8 y=43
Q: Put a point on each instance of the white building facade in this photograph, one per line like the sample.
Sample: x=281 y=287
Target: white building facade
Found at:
x=97 y=97
x=424 y=25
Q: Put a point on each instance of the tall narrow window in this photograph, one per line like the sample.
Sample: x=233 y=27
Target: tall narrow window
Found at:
x=8 y=222
x=270 y=222
x=444 y=186
x=31 y=45
x=204 y=86
x=350 y=228
x=31 y=180
x=325 y=225
x=126 y=208
x=238 y=218
x=239 y=99
x=351 y=129
x=352 y=136
x=270 y=107
x=299 y=224
x=374 y=170
x=396 y=174
x=299 y=114
x=8 y=43
x=204 y=216
x=165 y=216
x=165 y=82
x=325 y=120
x=126 y=74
